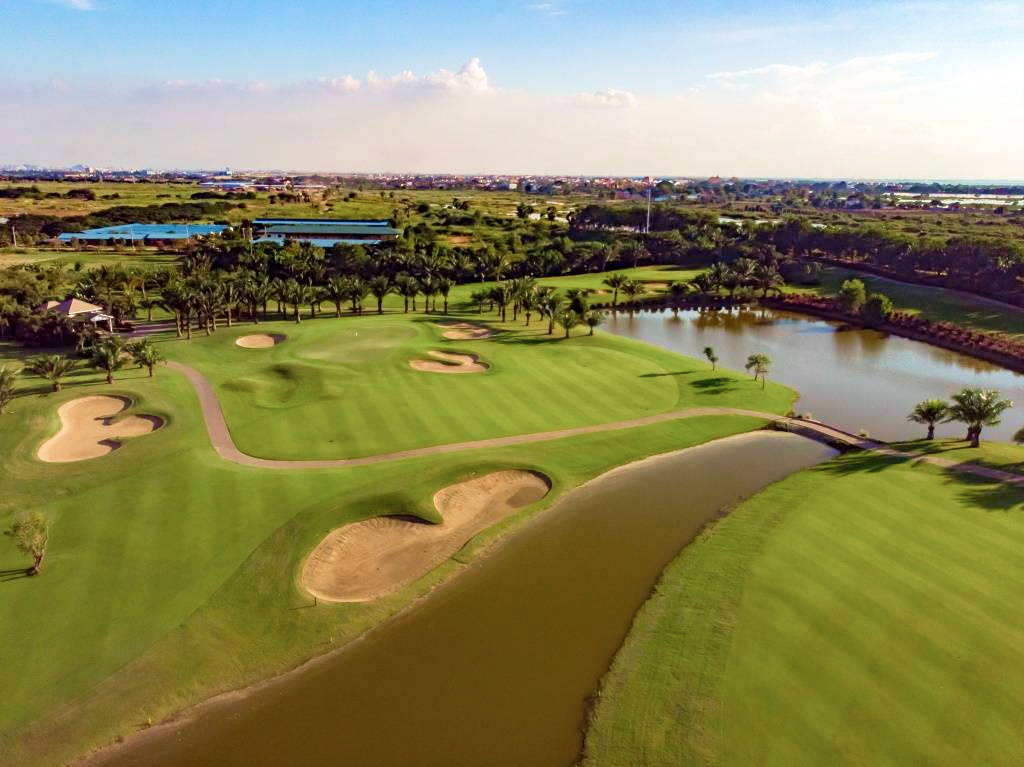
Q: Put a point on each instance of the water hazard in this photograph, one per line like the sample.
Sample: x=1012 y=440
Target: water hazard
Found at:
x=854 y=379
x=496 y=666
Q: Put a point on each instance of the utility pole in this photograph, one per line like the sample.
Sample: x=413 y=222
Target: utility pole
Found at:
x=14 y=235
x=650 y=181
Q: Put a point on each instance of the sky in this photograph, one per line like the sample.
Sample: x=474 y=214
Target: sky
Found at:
x=822 y=89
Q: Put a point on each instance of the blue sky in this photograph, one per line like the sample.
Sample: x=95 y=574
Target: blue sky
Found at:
x=791 y=67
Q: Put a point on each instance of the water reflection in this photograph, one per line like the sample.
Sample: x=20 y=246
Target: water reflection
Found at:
x=857 y=379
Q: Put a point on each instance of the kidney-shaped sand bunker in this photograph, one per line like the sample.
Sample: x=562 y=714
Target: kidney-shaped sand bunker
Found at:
x=449 y=362
x=88 y=429
x=259 y=340
x=367 y=560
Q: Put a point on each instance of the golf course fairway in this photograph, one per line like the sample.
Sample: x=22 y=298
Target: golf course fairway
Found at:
x=861 y=612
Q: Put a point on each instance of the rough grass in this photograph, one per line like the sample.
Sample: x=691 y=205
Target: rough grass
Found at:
x=161 y=551
x=862 y=612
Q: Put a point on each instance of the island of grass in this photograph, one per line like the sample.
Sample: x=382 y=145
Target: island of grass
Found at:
x=163 y=550
x=861 y=612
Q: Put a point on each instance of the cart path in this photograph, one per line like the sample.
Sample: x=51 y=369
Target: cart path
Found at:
x=224 y=445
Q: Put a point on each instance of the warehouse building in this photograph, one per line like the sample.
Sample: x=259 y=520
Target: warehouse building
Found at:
x=323 y=232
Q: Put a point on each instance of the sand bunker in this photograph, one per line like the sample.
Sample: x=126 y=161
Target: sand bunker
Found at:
x=88 y=429
x=259 y=340
x=466 y=331
x=447 y=362
x=367 y=560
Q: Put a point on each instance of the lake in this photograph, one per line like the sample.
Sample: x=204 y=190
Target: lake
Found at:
x=853 y=379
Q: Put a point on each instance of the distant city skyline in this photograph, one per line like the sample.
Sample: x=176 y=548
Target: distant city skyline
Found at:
x=877 y=90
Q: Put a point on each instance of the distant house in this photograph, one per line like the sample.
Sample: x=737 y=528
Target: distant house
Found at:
x=324 y=232
x=77 y=309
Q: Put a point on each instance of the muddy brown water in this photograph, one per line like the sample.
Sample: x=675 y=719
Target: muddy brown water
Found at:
x=495 y=667
x=853 y=379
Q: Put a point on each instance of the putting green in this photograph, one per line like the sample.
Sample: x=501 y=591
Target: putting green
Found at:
x=364 y=344
x=862 y=612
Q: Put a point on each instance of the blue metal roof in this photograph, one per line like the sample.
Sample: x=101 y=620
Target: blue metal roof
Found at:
x=318 y=242
x=333 y=221
x=136 y=232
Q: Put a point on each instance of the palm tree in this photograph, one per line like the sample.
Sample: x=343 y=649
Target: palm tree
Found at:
x=550 y=304
x=766 y=278
x=502 y=296
x=929 y=412
x=52 y=367
x=336 y=290
x=407 y=287
x=149 y=304
x=1018 y=437
x=380 y=286
x=444 y=287
x=478 y=298
x=760 y=364
x=615 y=282
x=718 y=275
x=631 y=289
x=676 y=291
x=108 y=356
x=8 y=377
x=146 y=355
x=977 y=408
x=593 y=319
x=569 y=318
x=709 y=354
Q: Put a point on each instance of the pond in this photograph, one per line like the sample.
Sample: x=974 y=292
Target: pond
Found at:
x=495 y=667
x=850 y=378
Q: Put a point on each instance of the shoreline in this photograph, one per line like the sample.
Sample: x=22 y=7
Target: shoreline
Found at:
x=137 y=739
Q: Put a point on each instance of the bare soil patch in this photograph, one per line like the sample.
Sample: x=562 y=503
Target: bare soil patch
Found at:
x=259 y=340
x=449 y=362
x=90 y=429
x=370 y=559
x=466 y=331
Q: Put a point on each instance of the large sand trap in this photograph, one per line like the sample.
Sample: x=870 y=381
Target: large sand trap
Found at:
x=466 y=331
x=448 y=362
x=367 y=560
x=259 y=340
x=88 y=429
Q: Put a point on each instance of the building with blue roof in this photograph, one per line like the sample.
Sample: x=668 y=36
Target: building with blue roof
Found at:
x=144 y=234
x=324 y=232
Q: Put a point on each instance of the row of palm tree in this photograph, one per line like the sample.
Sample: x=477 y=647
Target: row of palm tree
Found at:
x=976 y=408
x=523 y=296
x=108 y=355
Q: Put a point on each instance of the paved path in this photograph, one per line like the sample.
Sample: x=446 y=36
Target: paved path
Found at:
x=220 y=437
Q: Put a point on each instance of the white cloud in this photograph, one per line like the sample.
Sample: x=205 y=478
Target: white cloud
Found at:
x=547 y=9
x=898 y=115
x=77 y=5
x=612 y=98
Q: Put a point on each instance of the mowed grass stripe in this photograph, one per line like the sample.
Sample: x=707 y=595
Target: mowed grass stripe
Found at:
x=859 y=613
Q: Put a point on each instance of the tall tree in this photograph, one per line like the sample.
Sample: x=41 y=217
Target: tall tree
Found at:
x=929 y=412
x=709 y=354
x=31 y=533
x=615 y=282
x=977 y=408
x=760 y=364
x=108 y=356
x=145 y=354
x=8 y=377
x=53 y=367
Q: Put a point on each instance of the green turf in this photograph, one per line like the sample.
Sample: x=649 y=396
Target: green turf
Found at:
x=163 y=551
x=999 y=455
x=341 y=388
x=862 y=612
